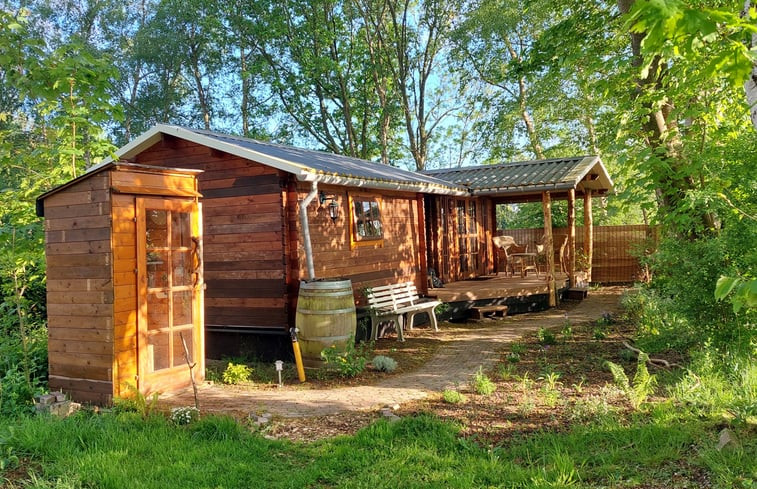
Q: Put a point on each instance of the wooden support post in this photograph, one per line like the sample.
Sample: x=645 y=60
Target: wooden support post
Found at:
x=422 y=257
x=588 y=233
x=494 y=249
x=546 y=205
x=572 y=236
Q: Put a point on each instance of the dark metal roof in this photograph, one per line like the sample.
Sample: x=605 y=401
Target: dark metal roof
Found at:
x=328 y=163
x=524 y=177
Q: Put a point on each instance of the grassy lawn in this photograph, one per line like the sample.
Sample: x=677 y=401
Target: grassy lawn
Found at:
x=554 y=419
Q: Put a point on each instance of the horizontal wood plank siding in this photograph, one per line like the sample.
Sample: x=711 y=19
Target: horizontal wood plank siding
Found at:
x=125 y=293
x=395 y=258
x=80 y=289
x=243 y=234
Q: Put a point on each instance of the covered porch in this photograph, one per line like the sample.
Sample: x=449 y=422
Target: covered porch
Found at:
x=460 y=231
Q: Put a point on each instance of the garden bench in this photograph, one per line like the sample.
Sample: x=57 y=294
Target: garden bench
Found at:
x=393 y=302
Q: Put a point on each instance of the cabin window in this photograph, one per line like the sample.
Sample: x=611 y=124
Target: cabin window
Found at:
x=366 y=220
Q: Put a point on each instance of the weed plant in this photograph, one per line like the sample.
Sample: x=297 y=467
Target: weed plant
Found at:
x=452 y=396
x=135 y=401
x=482 y=384
x=545 y=337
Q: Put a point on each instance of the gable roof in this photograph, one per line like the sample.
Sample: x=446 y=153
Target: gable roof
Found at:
x=515 y=182
x=524 y=178
x=305 y=164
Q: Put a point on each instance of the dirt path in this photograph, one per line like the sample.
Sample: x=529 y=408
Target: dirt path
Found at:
x=453 y=365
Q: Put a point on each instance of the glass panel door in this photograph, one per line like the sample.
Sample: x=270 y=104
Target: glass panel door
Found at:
x=168 y=275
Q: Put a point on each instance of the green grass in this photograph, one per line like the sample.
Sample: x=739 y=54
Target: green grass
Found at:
x=125 y=450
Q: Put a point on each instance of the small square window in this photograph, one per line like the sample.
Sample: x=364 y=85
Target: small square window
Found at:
x=366 y=219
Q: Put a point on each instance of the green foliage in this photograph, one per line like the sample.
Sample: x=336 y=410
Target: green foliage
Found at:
x=350 y=361
x=513 y=357
x=384 y=364
x=643 y=383
x=217 y=429
x=743 y=292
x=236 y=373
x=567 y=332
x=545 y=337
x=452 y=396
x=136 y=402
x=506 y=371
x=482 y=384
x=23 y=370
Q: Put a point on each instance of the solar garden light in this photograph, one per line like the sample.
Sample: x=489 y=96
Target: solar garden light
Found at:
x=279 y=368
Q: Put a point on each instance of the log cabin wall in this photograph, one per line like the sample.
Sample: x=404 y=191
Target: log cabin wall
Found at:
x=244 y=234
x=394 y=258
x=125 y=292
x=80 y=299
x=458 y=248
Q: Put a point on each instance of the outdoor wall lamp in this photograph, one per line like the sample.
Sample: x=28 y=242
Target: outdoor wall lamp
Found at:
x=333 y=207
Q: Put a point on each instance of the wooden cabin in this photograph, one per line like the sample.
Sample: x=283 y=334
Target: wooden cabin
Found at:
x=275 y=215
x=124 y=283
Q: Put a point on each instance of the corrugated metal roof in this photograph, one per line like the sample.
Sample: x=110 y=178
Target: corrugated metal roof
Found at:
x=329 y=163
x=530 y=176
x=305 y=164
x=509 y=179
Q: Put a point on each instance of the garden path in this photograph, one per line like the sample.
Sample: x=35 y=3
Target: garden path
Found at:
x=454 y=364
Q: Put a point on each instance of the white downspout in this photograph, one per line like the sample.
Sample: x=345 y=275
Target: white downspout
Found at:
x=306 y=228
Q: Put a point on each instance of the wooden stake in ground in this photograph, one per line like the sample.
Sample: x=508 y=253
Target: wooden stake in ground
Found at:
x=191 y=366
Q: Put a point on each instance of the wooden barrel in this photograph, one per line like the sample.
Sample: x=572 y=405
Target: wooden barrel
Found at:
x=325 y=317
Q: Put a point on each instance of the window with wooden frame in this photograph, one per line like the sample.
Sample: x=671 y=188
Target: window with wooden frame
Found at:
x=366 y=225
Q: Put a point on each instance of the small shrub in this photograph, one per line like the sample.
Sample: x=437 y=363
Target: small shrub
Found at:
x=184 y=415
x=451 y=396
x=351 y=361
x=545 y=337
x=518 y=348
x=384 y=364
x=236 y=373
x=482 y=384
x=513 y=357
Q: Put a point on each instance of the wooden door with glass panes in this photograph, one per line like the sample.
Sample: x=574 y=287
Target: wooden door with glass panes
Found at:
x=169 y=282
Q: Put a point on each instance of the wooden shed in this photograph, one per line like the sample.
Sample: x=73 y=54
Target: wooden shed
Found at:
x=124 y=281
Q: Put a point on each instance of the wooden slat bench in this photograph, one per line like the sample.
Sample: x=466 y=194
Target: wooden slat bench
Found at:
x=393 y=302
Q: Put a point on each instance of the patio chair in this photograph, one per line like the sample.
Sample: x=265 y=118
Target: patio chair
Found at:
x=503 y=243
x=541 y=256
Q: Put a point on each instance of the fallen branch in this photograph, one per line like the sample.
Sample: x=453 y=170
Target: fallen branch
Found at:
x=655 y=362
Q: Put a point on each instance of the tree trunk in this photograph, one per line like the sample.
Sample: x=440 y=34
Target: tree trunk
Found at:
x=661 y=131
x=750 y=87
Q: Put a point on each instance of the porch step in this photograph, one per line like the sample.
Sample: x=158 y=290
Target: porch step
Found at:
x=485 y=311
x=576 y=293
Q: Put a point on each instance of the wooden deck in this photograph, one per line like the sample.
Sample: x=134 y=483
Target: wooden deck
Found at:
x=494 y=287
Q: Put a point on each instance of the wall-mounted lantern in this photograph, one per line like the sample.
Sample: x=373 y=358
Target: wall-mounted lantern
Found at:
x=333 y=207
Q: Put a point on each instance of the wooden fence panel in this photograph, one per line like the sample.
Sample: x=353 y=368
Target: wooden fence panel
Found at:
x=615 y=248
